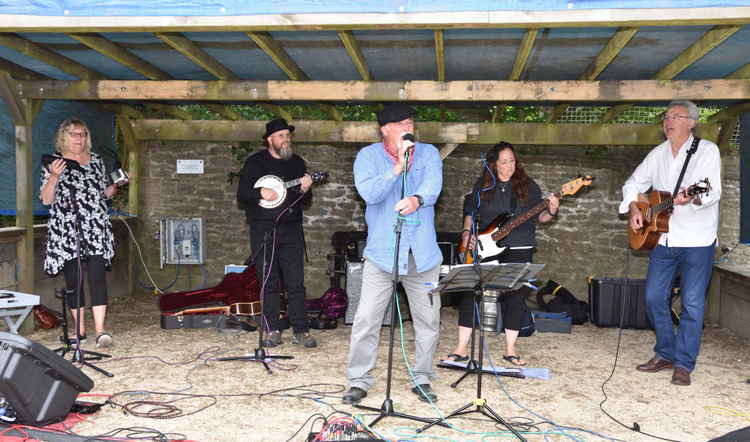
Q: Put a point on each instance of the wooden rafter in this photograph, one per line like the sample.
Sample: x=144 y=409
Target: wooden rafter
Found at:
x=431 y=132
x=447 y=149
x=731 y=112
x=381 y=91
x=352 y=48
x=189 y=49
x=523 y=54
x=13 y=102
x=169 y=109
x=121 y=55
x=714 y=37
x=34 y=50
x=440 y=54
x=20 y=72
x=743 y=72
x=123 y=109
x=519 y=65
x=273 y=49
x=608 y=53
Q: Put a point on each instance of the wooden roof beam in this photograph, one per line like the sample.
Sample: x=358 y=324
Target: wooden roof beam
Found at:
x=711 y=39
x=440 y=54
x=34 y=50
x=20 y=72
x=519 y=65
x=327 y=131
x=352 y=48
x=383 y=91
x=609 y=52
x=743 y=72
x=189 y=49
x=729 y=113
x=273 y=49
x=13 y=102
x=116 y=52
x=169 y=109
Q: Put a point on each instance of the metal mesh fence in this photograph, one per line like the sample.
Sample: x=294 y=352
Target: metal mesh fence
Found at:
x=634 y=115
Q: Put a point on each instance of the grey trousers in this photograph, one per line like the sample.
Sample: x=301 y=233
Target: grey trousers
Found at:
x=377 y=287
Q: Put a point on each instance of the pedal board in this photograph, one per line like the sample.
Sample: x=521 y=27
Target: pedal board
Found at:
x=343 y=438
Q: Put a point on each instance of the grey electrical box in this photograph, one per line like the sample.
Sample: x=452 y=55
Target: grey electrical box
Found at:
x=181 y=240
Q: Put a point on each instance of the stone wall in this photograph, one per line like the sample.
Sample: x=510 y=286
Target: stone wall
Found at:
x=587 y=239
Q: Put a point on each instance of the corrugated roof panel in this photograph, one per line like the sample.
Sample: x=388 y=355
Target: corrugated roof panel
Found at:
x=320 y=54
x=565 y=53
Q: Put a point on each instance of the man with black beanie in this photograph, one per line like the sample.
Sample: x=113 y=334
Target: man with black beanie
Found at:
x=279 y=229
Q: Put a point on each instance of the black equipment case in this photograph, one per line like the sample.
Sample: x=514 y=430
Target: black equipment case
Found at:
x=611 y=297
x=36 y=382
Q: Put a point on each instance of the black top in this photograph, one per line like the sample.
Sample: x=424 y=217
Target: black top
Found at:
x=502 y=203
x=260 y=164
x=87 y=184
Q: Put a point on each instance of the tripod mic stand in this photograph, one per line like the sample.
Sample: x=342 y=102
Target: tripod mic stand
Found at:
x=386 y=409
x=260 y=354
x=79 y=354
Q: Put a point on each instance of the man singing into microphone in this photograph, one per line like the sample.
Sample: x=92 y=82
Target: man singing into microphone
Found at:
x=397 y=178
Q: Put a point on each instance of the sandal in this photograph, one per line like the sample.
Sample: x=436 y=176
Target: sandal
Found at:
x=515 y=360
x=104 y=340
x=457 y=358
x=72 y=339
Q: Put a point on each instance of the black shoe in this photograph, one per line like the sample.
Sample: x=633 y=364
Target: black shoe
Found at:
x=305 y=339
x=426 y=394
x=354 y=395
x=272 y=339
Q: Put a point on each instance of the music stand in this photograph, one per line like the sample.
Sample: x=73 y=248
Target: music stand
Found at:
x=505 y=276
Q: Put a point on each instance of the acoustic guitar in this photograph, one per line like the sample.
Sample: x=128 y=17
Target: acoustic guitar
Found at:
x=487 y=239
x=656 y=208
x=238 y=309
x=279 y=186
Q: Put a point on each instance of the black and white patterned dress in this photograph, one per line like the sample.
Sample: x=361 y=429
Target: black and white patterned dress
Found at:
x=88 y=184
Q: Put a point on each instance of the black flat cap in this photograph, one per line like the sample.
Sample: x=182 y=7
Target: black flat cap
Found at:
x=275 y=126
x=395 y=112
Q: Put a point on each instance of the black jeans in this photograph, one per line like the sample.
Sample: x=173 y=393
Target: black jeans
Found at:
x=94 y=269
x=512 y=303
x=287 y=267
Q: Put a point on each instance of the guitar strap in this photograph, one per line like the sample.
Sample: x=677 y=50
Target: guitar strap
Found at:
x=690 y=153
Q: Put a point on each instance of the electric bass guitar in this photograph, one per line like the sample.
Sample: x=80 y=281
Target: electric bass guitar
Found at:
x=656 y=208
x=500 y=227
x=279 y=186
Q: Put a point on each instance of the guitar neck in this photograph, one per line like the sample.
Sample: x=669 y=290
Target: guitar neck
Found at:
x=506 y=229
x=292 y=183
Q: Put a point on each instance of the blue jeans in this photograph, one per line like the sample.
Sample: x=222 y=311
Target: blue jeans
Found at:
x=694 y=265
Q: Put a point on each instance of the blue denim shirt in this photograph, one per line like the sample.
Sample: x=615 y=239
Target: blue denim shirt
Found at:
x=381 y=190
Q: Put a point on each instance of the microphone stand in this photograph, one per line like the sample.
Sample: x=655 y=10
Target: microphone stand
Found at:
x=387 y=409
x=79 y=354
x=260 y=354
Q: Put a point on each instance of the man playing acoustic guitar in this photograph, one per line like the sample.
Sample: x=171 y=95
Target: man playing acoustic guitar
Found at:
x=687 y=246
x=281 y=223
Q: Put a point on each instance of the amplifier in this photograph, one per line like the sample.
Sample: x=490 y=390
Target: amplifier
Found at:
x=354 y=290
x=611 y=298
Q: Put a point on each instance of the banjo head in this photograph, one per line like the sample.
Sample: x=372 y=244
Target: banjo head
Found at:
x=277 y=185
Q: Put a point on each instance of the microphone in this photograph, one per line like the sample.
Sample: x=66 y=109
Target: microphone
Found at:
x=408 y=139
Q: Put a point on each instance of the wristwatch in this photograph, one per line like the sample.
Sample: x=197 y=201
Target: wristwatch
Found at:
x=420 y=200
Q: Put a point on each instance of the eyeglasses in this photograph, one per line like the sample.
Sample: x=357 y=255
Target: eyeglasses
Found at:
x=77 y=134
x=675 y=117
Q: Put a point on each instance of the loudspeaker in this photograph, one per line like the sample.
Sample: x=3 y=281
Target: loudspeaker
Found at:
x=38 y=384
x=354 y=290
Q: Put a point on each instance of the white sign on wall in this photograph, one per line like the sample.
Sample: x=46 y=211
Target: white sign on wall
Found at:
x=190 y=166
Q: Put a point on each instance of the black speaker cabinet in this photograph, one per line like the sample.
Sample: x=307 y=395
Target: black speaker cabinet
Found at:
x=37 y=383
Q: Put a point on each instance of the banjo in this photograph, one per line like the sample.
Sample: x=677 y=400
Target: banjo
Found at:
x=279 y=186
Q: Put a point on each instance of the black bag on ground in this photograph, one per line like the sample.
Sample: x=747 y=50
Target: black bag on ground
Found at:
x=562 y=302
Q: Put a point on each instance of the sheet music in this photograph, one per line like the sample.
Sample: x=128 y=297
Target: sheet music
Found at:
x=506 y=276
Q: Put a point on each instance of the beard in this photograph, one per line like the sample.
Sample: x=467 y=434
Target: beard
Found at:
x=285 y=152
